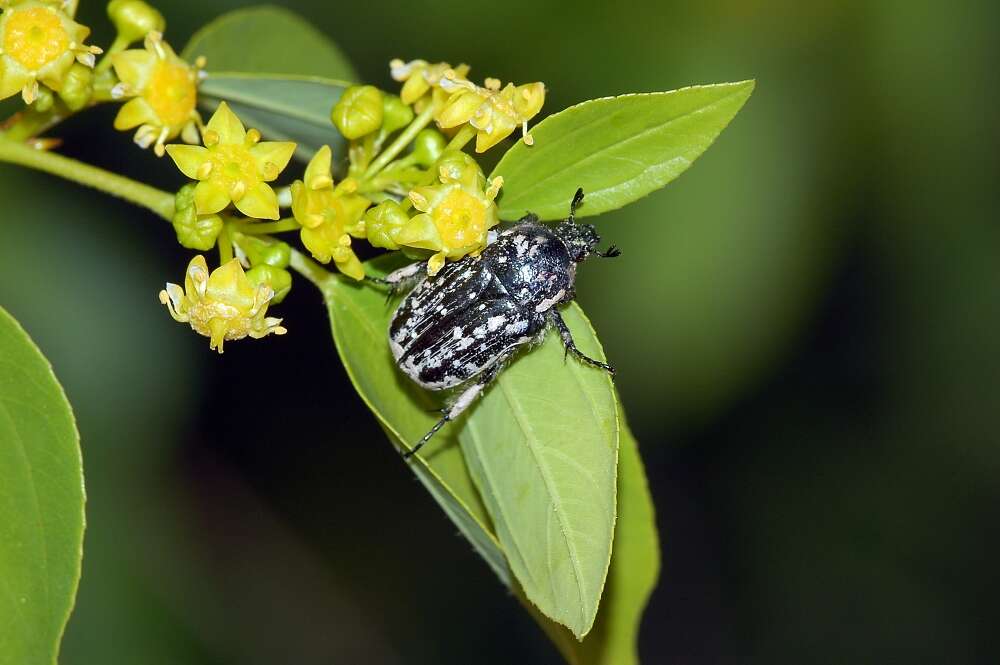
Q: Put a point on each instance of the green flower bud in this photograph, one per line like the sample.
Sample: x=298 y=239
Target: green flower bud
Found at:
x=134 y=19
x=77 y=87
x=44 y=99
x=428 y=146
x=457 y=166
x=395 y=114
x=359 y=111
x=194 y=231
x=279 y=279
x=383 y=222
x=263 y=252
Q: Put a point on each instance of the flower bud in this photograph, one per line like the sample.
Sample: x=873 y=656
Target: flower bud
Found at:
x=359 y=111
x=427 y=147
x=77 y=87
x=134 y=19
x=279 y=279
x=194 y=231
x=395 y=114
x=44 y=99
x=383 y=222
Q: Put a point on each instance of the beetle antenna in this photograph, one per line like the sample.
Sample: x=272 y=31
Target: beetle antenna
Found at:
x=577 y=200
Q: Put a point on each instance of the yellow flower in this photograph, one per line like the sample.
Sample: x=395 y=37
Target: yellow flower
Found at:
x=39 y=42
x=419 y=77
x=233 y=166
x=164 y=92
x=495 y=113
x=457 y=213
x=222 y=306
x=329 y=216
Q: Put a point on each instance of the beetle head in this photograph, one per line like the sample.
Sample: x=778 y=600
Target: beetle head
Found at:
x=580 y=239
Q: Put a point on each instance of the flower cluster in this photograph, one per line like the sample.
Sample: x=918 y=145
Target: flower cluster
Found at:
x=494 y=112
x=39 y=43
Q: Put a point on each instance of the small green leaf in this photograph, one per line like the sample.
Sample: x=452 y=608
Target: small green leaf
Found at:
x=359 y=317
x=41 y=503
x=542 y=446
x=635 y=566
x=283 y=108
x=618 y=149
x=268 y=40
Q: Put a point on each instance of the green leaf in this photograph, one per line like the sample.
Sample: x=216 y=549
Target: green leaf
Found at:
x=41 y=503
x=618 y=149
x=635 y=566
x=359 y=317
x=283 y=108
x=542 y=446
x=269 y=40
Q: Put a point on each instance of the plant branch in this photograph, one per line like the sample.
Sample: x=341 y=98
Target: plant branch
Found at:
x=157 y=200
x=402 y=140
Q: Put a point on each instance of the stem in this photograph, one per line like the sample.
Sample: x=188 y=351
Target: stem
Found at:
x=225 y=242
x=260 y=228
x=311 y=270
x=156 y=200
x=30 y=123
x=466 y=134
x=402 y=140
x=119 y=44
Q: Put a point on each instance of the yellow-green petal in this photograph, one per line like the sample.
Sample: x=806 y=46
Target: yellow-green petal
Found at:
x=225 y=123
x=188 y=159
x=319 y=166
x=134 y=67
x=276 y=153
x=420 y=232
x=259 y=202
x=133 y=113
x=209 y=198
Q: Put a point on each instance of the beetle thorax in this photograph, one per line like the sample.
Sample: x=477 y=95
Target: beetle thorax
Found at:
x=533 y=264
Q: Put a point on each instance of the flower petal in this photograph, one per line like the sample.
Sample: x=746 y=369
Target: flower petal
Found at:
x=134 y=67
x=225 y=123
x=188 y=158
x=272 y=157
x=208 y=198
x=319 y=166
x=259 y=202
x=133 y=113
x=420 y=232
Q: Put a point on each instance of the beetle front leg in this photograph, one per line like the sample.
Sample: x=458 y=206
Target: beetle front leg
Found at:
x=465 y=399
x=397 y=279
x=567 y=339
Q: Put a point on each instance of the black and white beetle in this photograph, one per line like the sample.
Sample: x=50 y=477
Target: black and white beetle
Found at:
x=467 y=321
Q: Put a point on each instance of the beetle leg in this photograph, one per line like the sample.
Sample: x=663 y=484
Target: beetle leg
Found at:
x=567 y=339
x=577 y=200
x=610 y=253
x=530 y=218
x=465 y=399
x=397 y=279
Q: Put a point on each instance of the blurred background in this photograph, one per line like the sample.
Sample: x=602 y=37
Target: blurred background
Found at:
x=805 y=327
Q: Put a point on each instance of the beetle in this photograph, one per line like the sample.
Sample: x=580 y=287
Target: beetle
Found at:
x=462 y=326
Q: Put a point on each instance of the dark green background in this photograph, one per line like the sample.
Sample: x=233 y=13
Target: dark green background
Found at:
x=805 y=327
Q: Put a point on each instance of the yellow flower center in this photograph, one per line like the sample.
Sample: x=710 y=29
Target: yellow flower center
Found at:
x=460 y=218
x=172 y=93
x=34 y=37
x=232 y=164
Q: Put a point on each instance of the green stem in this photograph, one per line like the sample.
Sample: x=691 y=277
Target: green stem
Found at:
x=157 y=200
x=225 y=243
x=402 y=141
x=464 y=135
x=119 y=44
x=30 y=123
x=260 y=228
x=314 y=272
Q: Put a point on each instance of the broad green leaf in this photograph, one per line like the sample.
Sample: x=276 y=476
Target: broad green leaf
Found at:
x=618 y=149
x=359 y=317
x=542 y=446
x=268 y=40
x=283 y=108
x=41 y=503
x=635 y=566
